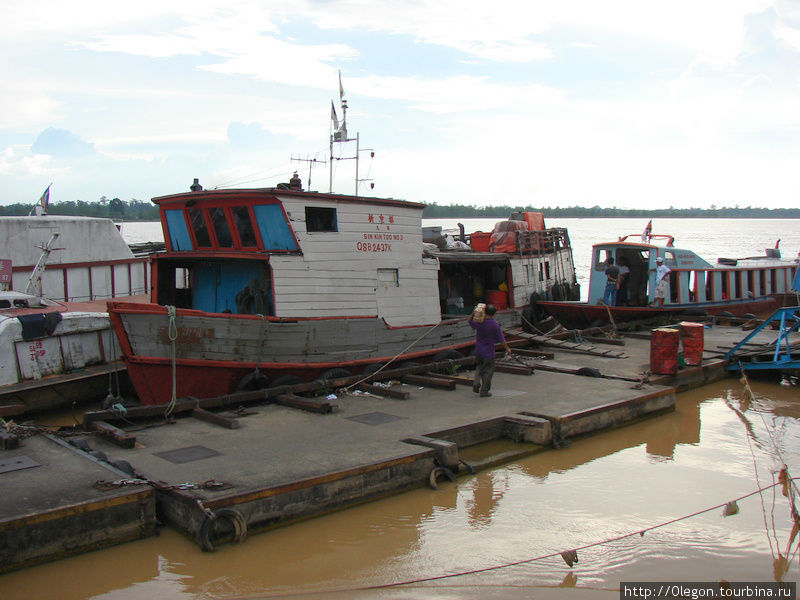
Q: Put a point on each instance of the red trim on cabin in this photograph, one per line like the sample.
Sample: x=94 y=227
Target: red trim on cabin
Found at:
x=163 y=218
x=229 y=196
x=76 y=265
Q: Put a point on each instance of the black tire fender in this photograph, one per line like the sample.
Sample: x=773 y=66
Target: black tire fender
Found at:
x=237 y=521
x=255 y=380
x=588 y=372
x=436 y=472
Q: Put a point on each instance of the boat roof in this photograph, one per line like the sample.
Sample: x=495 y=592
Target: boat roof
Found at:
x=457 y=256
x=80 y=240
x=255 y=193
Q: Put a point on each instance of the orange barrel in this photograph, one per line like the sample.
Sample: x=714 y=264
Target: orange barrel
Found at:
x=692 y=339
x=664 y=344
x=498 y=298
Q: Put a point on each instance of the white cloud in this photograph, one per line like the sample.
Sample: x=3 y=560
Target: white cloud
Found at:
x=493 y=98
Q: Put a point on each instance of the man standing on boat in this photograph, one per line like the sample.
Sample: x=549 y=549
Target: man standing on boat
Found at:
x=622 y=282
x=612 y=283
x=487 y=334
x=661 y=282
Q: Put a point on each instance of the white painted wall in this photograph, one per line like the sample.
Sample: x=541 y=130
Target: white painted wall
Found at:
x=337 y=274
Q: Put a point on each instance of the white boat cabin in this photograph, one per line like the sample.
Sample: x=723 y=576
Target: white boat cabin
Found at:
x=88 y=260
x=287 y=253
x=292 y=254
x=692 y=280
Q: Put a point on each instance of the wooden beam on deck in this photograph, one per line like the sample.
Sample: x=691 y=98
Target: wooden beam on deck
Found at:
x=214 y=418
x=534 y=353
x=427 y=381
x=115 y=435
x=383 y=391
x=308 y=404
x=10 y=410
x=504 y=367
x=8 y=441
x=458 y=379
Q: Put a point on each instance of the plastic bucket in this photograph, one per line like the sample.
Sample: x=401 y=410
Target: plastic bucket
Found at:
x=664 y=344
x=479 y=241
x=692 y=340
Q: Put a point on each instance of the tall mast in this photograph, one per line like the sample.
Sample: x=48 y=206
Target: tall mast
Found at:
x=339 y=136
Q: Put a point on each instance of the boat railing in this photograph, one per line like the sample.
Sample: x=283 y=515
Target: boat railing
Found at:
x=720 y=283
x=96 y=280
x=542 y=242
x=658 y=236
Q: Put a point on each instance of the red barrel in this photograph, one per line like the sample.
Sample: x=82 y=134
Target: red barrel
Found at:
x=664 y=344
x=692 y=339
x=498 y=298
x=479 y=241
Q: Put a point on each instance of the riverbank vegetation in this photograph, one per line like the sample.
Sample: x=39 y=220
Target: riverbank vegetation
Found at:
x=134 y=210
x=138 y=210
x=436 y=211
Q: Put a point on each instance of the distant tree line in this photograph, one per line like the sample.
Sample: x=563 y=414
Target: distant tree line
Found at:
x=133 y=210
x=433 y=211
x=138 y=210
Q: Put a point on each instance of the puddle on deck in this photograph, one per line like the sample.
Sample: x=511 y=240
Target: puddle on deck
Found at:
x=717 y=446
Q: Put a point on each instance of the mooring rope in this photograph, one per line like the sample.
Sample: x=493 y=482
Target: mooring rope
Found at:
x=173 y=336
x=563 y=554
x=394 y=358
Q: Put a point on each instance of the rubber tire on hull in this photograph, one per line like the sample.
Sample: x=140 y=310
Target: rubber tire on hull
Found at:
x=286 y=380
x=335 y=373
x=255 y=380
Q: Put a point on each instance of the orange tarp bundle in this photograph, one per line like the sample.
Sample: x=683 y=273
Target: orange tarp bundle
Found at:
x=504 y=236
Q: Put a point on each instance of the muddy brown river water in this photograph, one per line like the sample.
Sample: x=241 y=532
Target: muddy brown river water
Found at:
x=500 y=532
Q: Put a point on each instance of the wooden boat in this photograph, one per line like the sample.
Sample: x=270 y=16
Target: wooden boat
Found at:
x=695 y=286
x=56 y=344
x=271 y=286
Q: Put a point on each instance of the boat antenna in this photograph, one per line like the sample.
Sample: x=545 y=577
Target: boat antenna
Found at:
x=312 y=162
x=34 y=287
x=339 y=136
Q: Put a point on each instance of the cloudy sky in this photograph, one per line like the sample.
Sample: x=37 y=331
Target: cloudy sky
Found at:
x=578 y=102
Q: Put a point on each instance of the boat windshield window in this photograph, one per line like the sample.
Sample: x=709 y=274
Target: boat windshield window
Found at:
x=199 y=228
x=221 y=229
x=244 y=226
x=669 y=259
x=320 y=219
x=600 y=258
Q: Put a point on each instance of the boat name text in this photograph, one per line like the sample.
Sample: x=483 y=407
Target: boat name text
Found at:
x=36 y=349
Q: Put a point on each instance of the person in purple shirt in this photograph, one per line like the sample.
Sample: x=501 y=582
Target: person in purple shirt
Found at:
x=487 y=334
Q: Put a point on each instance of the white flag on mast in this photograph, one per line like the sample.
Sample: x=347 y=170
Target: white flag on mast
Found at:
x=334 y=118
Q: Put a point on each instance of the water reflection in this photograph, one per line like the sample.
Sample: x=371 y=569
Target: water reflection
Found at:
x=598 y=488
